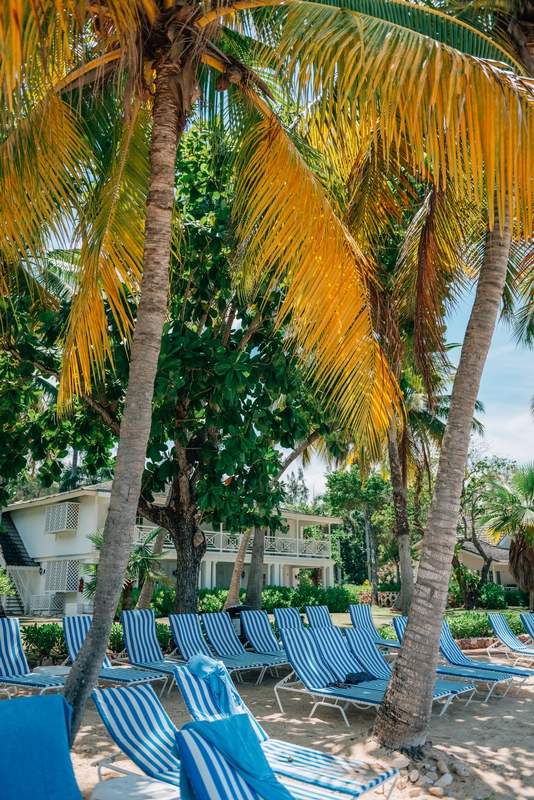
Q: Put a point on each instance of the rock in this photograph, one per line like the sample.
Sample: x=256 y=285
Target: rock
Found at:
x=414 y=793
x=460 y=769
x=436 y=791
x=380 y=789
x=401 y=762
x=414 y=775
x=445 y=780
x=442 y=767
x=429 y=779
x=401 y=784
x=432 y=769
x=426 y=766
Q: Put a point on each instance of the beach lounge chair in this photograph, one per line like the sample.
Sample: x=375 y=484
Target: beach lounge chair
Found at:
x=311 y=676
x=142 y=646
x=225 y=642
x=508 y=642
x=217 y=770
x=369 y=659
x=290 y=759
x=361 y=617
x=492 y=679
x=14 y=669
x=528 y=623
x=76 y=629
x=454 y=655
x=319 y=617
x=287 y=618
x=258 y=630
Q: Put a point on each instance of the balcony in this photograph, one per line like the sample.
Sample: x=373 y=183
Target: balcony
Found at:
x=275 y=545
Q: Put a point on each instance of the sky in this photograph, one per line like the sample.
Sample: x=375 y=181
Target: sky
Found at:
x=506 y=390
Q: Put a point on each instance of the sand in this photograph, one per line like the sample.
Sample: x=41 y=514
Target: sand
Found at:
x=495 y=742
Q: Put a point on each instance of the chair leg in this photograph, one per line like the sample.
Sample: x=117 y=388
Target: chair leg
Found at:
x=393 y=784
x=261 y=676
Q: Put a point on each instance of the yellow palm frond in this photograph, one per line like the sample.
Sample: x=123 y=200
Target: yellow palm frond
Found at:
x=460 y=116
x=287 y=228
x=112 y=230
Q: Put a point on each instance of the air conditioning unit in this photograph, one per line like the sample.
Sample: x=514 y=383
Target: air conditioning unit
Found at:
x=62 y=518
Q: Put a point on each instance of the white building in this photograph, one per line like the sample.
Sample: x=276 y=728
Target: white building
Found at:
x=45 y=544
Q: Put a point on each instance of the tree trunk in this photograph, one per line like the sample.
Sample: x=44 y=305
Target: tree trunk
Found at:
x=127 y=596
x=168 y=123
x=531 y=599
x=190 y=550
x=404 y=713
x=233 y=594
x=402 y=525
x=469 y=593
x=255 y=576
x=372 y=554
x=145 y=598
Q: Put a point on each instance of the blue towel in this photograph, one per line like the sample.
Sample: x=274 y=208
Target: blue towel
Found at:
x=236 y=741
x=35 y=748
x=222 y=688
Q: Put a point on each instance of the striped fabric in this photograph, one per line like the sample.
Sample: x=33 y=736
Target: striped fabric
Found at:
x=76 y=629
x=362 y=645
x=361 y=617
x=142 y=646
x=139 y=725
x=456 y=656
x=528 y=622
x=226 y=644
x=335 y=652
x=14 y=669
x=287 y=618
x=399 y=623
x=187 y=633
x=503 y=632
x=258 y=631
x=319 y=617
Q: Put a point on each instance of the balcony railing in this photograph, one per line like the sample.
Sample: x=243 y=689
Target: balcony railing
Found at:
x=277 y=545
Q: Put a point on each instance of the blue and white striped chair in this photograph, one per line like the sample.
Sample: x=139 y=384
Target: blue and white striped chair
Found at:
x=14 y=669
x=140 y=726
x=259 y=632
x=76 y=629
x=310 y=766
x=287 y=618
x=311 y=676
x=225 y=642
x=369 y=658
x=212 y=777
x=492 y=679
x=361 y=617
x=142 y=645
x=508 y=642
x=528 y=622
x=450 y=649
x=319 y=617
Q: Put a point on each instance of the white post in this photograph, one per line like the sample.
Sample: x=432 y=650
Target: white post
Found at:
x=213 y=575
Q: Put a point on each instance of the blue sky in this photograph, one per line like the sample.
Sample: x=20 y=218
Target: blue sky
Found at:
x=506 y=391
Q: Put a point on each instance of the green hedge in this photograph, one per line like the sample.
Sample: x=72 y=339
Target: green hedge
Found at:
x=475 y=624
x=41 y=641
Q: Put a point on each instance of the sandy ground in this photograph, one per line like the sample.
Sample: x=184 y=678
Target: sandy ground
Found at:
x=495 y=742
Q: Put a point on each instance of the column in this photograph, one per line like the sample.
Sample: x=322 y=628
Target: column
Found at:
x=202 y=575
x=213 y=574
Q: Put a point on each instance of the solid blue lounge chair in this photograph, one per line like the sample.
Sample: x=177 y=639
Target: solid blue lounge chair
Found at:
x=225 y=642
x=14 y=669
x=361 y=617
x=76 y=629
x=492 y=679
x=259 y=632
x=454 y=655
x=218 y=771
x=36 y=759
x=287 y=618
x=142 y=645
x=319 y=617
x=508 y=642
x=311 y=676
x=528 y=622
x=310 y=766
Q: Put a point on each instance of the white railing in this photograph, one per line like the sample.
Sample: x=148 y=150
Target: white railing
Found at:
x=276 y=545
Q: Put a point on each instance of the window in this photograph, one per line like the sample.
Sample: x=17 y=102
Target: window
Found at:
x=62 y=518
x=62 y=576
x=498 y=577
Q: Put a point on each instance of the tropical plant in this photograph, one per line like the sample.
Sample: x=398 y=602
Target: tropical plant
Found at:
x=510 y=512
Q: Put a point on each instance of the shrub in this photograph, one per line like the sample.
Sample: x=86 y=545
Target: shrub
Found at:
x=475 y=624
x=163 y=601
x=43 y=640
x=387 y=632
x=491 y=595
x=516 y=597
x=116 y=638
x=163 y=632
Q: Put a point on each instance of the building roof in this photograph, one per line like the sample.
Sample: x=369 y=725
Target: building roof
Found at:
x=499 y=554
x=12 y=546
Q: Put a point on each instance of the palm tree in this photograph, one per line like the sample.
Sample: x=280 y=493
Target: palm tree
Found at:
x=151 y=52
x=510 y=512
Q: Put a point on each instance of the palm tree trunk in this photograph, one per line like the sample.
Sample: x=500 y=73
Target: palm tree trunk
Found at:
x=404 y=713
x=531 y=599
x=168 y=123
x=402 y=526
x=255 y=575
x=370 y=535
x=233 y=594
x=145 y=598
